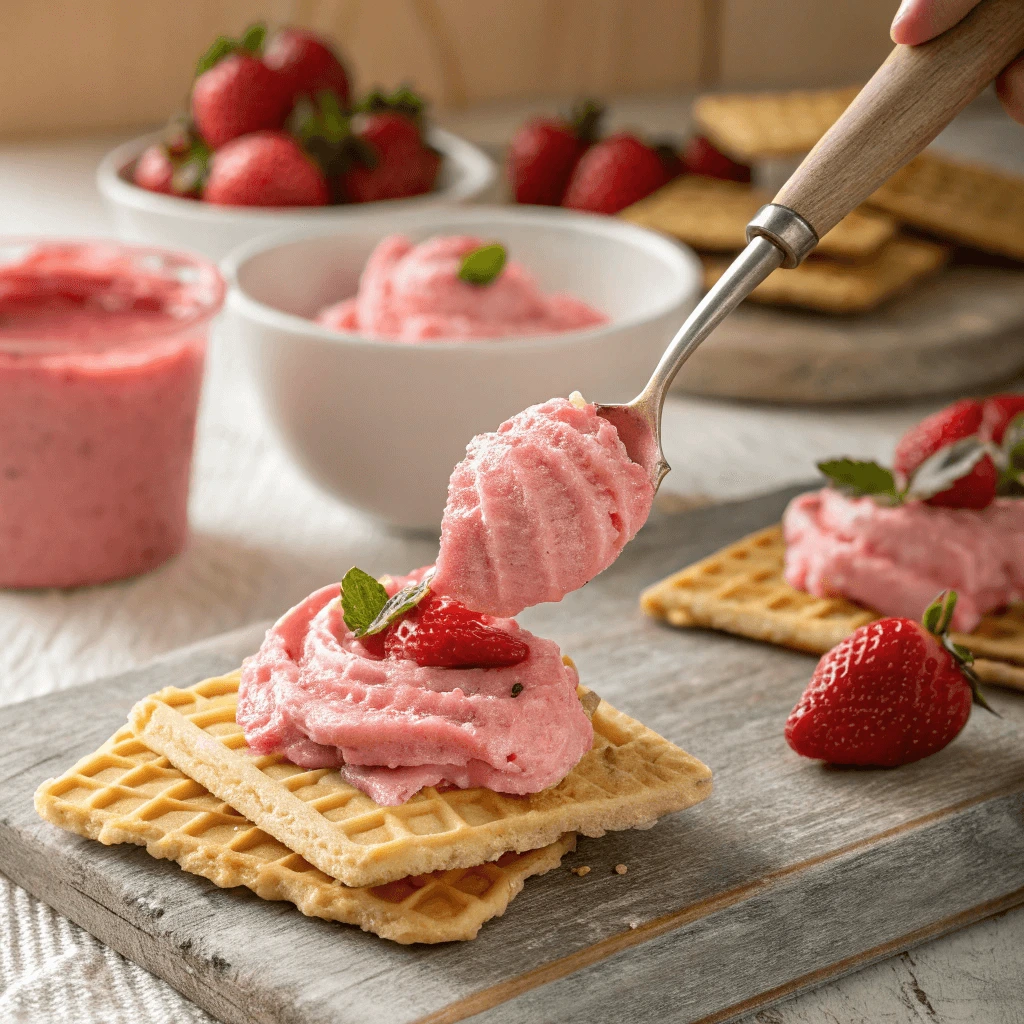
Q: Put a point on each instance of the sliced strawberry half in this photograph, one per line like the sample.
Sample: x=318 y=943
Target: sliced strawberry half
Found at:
x=443 y=633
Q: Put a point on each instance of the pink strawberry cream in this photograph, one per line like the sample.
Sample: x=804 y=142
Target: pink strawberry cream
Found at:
x=411 y=293
x=314 y=693
x=101 y=357
x=538 y=508
x=895 y=560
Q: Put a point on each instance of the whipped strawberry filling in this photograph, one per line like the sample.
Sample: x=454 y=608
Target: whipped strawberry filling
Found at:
x=538 y=508
x=410 y=293
x=323 y=698
x=895 y=559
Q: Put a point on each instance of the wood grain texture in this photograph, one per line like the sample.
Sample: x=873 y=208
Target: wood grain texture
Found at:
x=907 y=102
x=789 y=874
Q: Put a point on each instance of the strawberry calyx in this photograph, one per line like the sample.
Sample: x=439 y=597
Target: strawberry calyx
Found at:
x=585 y=119
x=189 y=155
x=937 y=619
x=402 y=101
x=324 y=131
x=251 y=41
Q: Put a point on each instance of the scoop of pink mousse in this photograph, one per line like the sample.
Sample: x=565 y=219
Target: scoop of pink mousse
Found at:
x=313 y=693
x=895 y=560
x=538 y=508
x=413 y=293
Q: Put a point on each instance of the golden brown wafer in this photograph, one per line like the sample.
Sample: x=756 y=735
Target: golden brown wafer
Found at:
x=712 y=215
x=125 y=793
x=741 y=589
x=962 y=202
x=768 y=125
x=829 y=287
x=628 y=779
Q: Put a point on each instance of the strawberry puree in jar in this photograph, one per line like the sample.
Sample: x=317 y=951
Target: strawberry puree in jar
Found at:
x=101 y=360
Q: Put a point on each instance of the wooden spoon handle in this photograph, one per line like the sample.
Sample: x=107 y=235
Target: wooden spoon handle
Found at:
x=909 y=100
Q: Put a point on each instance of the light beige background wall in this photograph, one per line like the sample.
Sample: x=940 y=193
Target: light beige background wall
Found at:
x=84 y=65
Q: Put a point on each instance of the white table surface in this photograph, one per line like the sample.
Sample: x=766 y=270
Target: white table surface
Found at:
x=263 y=537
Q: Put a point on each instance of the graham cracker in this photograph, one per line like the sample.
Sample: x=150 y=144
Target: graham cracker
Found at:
x=768 y=125
x=830 y=287
x=962 y=202
x=126 y=793
x=741 y=589
x=712 y=215
x=628 y=779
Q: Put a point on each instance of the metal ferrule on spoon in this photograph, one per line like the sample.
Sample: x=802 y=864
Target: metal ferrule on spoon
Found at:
x=907 y=102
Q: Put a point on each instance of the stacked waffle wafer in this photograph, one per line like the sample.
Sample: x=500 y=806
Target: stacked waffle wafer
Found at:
x=741 y=589
x=878 y=251
x=180 y=780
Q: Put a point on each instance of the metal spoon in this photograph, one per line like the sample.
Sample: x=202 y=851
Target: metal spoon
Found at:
x=908 y=101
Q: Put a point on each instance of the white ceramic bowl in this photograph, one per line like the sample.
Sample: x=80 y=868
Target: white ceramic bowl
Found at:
x=381 y=424
x=467 y=172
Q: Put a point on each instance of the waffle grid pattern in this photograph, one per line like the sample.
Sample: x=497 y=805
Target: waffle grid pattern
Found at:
x=972 y=205
x=125 y=793
x=762 y=126
x=629 y=778
x=741 y=590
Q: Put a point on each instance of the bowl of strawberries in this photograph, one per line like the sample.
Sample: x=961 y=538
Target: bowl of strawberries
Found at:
x=275 y=139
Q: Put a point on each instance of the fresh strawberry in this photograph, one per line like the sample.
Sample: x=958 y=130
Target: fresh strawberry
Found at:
x=892 y=692
x=614 y=173
x=544 y=153
x=264 y=169
x=154 y=170
x=998 y=412
x=976 y=489
x=306 y=64
x=390 y=160
x=443 y=633
x=235 y=92
x=701 y=157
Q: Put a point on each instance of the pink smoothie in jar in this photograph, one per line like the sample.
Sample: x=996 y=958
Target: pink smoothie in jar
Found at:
x=101 y=360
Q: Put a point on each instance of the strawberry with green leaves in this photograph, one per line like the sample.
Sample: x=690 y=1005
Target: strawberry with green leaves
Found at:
x=264 y=169
x=962 y=456
x=417 y=625
x=177 y=165
x=892 y=692
x=306 y=64
x=544 y=152
x=235 y=93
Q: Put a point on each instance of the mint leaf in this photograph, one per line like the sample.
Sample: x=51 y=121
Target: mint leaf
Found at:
x=1010 y=459
x=860 y=477
x=362 y=599
x=404 y=601
x=483 y=265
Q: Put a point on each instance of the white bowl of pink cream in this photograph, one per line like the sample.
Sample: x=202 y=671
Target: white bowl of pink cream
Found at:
x=101 y=359
x=378 y=359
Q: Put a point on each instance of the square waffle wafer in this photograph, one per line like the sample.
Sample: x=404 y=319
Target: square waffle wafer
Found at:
x=629 y=778
x=830 y=287
x=712 y=215
x=969 y=204
x=125 y=793
x=768 y=125
x=742 y=590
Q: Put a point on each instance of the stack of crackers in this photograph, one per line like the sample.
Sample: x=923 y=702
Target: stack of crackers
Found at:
x=878 y=251
x=180 y=780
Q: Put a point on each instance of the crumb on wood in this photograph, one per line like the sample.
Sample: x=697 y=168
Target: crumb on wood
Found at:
x=621 y=869
x=581 y=870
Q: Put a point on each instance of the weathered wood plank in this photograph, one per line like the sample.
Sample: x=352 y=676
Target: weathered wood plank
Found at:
x=790 y=874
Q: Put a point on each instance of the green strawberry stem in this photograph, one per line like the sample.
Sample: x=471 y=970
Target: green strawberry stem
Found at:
x=586 y=119
x=251 y=42
x=936 y=619
x=402 y=101
x=482 y=266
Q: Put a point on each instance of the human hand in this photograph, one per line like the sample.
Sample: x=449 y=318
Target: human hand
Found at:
x=917 y=21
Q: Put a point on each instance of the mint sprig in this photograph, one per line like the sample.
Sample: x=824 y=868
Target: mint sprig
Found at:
x=483 y=265
x=861 y=477
x=365 y=604
x=362 y=598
